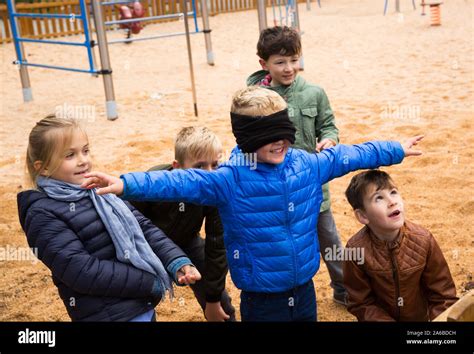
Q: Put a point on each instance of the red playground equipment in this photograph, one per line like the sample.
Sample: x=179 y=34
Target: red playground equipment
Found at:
x=131 y=11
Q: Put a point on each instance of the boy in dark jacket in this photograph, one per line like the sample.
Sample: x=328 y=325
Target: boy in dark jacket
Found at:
x=403 y=275
x=196 y=147
x=279 y=50
x=270 y=210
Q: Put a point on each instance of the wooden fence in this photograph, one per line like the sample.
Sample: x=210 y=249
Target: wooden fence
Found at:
x=49 y=28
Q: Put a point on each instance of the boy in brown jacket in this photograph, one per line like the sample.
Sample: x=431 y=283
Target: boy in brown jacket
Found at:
x=403 y=275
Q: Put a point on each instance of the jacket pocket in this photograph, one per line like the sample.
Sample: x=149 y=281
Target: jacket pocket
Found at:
x=240 y=264
x=309 y=115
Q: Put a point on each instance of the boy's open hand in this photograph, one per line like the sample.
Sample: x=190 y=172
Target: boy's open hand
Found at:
x=325 y=144
x=188 y=275
x=104 y=182
x=215 y=313
x=407 y=146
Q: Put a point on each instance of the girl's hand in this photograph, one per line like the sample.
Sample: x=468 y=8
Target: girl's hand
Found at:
x=188 y=275
x=325 y=144
x=104 y=182
x=407 y=147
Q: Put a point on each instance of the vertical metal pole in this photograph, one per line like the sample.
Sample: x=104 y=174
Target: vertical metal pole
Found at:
x=111 y=105
x=297 y=26
x=85 y=25
x=19 y=49
x=262 y=15
x=190 y=56
x=207 y=32
x=397 y=5
x=196 y=27
x=91 y=41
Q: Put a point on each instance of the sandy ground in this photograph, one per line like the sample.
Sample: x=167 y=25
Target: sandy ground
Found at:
x=387 y=78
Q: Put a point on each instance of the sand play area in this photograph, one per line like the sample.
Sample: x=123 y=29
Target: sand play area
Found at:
x=387 y=77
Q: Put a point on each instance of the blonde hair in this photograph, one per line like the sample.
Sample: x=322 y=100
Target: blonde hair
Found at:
x=47 y=143
x=195 y=142
x=257 y=101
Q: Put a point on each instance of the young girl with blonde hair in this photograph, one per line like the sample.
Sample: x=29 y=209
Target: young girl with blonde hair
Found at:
x=107 y=260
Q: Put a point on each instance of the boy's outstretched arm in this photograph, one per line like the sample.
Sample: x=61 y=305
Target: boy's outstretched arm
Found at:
x=192 y=185
x=342 y=159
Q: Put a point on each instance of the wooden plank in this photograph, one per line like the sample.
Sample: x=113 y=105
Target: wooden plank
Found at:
x=62 y=26
x=54 y=10
x=66 y=9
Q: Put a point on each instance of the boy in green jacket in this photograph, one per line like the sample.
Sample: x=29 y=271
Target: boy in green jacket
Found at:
x=279 y=49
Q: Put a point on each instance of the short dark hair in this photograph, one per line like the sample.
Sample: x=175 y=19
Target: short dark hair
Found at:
x=359 y=183
x=278 y=40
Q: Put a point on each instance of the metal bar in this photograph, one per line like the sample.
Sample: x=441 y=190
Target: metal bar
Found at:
x=48 y=41
x=190 y=57
x=57 y=67
x=142 y=19
x=111 y=105
x=207 y=32
x=115 y=41
x=91 y=37
x=23 y=69
x=85 y=24
x=38 y=15
x=196 y=27
x=262 y=15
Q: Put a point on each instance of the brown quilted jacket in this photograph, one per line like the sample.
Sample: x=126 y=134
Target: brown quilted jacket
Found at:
x=404 y=280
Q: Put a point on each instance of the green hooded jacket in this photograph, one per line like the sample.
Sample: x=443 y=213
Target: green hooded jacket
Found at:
x=310 y=112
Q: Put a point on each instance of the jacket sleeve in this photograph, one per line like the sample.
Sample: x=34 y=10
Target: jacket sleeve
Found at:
x=191 y=185
x=166 y=250
x=360 y=299
x=437 y=281
x=342 y=159
x=61 y=250
x=215 y=262
x=145 y=208
x=325 y=123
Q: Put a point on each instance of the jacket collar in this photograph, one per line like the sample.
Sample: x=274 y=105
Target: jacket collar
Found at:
x=388 y=244
x=284 y=91
x=237 y=157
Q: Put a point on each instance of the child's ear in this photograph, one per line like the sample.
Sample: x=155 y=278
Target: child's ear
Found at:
x=361 y=216
x=176 y=164
x=38 y=166
x=263 y=63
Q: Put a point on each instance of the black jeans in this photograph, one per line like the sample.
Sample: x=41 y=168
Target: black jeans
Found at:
x=195 y=252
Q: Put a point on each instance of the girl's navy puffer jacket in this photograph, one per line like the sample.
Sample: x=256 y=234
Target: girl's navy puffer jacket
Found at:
x=71 y=240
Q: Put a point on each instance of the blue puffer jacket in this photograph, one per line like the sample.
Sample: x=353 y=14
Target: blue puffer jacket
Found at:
x=268 y=213
x=74 y=244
